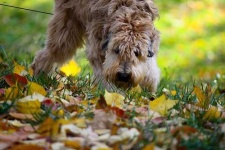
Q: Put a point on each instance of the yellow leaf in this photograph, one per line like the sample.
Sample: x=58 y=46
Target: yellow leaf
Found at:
x=52 y=127
x=35 y=88
x=30 y=104
x=136 y=89
x=150 y=146
x=18 y=68
x=202 y=101
x=71 y=68
x=29 y=107
x=114 y=99
x=12 y=93
x=46 y=126
x=173 y=92
x=31 y=71
x=162 y=105
x=73 y=144
x=80 y=122
x=212 y=113
x=56 y=126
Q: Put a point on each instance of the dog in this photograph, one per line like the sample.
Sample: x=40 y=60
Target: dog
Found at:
x=121 y=40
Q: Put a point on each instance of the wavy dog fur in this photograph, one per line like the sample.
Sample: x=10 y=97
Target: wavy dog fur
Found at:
x=120 y=37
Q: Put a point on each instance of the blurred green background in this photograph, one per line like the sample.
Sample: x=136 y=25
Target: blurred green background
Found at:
x=192 y=35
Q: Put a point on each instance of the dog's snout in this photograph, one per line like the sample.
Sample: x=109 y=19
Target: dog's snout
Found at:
x=122 y=76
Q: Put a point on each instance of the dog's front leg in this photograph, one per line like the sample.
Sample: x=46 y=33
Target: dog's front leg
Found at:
x=64 y=36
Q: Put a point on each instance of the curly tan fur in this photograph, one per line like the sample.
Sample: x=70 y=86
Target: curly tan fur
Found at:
x=119 y=36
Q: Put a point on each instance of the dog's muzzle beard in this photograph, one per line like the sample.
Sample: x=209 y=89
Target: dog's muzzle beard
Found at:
x=122 y=76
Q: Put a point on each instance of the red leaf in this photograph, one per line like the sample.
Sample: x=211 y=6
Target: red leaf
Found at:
x=184 y=129
x=47 y=102
x=119 y=112
x=12 y=79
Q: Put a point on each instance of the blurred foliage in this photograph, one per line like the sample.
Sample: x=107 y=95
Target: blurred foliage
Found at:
x=192 y=35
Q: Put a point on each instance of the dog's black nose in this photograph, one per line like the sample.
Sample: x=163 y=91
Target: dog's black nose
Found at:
x=124 y=77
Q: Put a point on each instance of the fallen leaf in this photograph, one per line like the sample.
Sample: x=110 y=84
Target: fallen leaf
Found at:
x=5 y=145
x=73 y=144
x=212 y=113
x=34 y=96
x=12 y=93
x=36 y=88
x=162 y=105
x=103 y=119
x=119 y=112
x=150 y=146
x=27 y=147
x=114 y=99
x=31 y=71
x=101 y=103
x=18 y=69
x=4 y=126
x=30 y=104
x=16 y=123
x=52 y=127
x=15 y=79
x=80 y=122
x=21 y=116
x=136 y=89
x=29 y=107
x=71 y=68
x=203 y=102
x=46 y=127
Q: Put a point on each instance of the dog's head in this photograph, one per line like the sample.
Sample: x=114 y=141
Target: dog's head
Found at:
x=130 y=41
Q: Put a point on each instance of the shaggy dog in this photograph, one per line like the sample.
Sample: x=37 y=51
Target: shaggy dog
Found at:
x=120 y=37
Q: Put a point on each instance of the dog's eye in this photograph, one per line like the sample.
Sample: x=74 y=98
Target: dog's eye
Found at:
x=117 y=50
x=137 y=53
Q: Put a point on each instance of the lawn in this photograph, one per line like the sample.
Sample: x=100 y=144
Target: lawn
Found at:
x=69 y=112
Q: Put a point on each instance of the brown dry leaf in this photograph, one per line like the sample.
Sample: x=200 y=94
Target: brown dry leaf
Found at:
x=114 y=99
x=212 y=113
x=103 y=119
x=13 y=136
x=36 y=88
x=203 y=102
x=27 y=147
x=5 y=126
x=162 y=105
x=101 y=104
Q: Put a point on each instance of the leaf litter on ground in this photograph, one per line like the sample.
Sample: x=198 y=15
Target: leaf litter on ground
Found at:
x=73 y=115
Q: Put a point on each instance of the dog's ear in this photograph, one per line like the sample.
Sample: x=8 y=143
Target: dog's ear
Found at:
x=116 y=4
x=105 y=42
x=149 y=7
